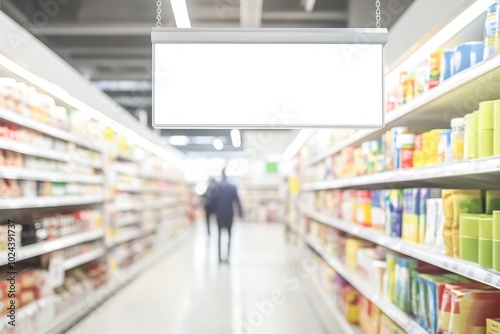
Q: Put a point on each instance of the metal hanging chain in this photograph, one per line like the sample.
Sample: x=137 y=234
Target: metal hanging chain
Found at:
x=158 y=14
x=377 y=13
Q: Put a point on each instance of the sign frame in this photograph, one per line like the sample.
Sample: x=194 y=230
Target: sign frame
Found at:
x=347 y=36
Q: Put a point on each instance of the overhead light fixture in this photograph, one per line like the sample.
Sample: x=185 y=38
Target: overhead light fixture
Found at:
x=178 y=140
x=268 y=78
x=441 y=37
x=308 y=5
x=295 y=146
x=218 y=144
x=181 y=14
x=236 y=138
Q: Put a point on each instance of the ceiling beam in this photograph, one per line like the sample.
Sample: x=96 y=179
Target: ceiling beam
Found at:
x=114 y=63
x=78 y=29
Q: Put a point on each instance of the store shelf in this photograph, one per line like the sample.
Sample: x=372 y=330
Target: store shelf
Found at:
x=128 y=206
x=127 y=220
x=333 y=311
x=158 y=204
x=42 y=202
x=83 y=258
x=41 y=248
x=436 y=107
x=125 y=157
x=46 y=129
x=40 y=175
x=50 y=154
x=391 y=310
x=127 y=236
x=24 y=312
x=479 y=173
x=159 y=176
x=135 y=188
x=120 y=279
x=417 y=251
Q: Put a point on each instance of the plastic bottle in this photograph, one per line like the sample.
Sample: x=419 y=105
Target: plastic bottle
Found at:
x=490 y=31
x=457 y=138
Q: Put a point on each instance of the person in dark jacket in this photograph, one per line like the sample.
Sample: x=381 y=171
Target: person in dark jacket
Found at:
x=225 y=197
x=208 y=203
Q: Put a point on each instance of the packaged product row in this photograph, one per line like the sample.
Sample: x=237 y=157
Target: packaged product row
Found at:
x=34 y=229
x=18 y=160
x=357 y=309
x=29 y=189
x=18 y=134
x=444 y=63
x=476 y=135
x=464 y=223
x=130 y=252
x=25 y=100
x=74 y=251
x=35 y=286
x=415 y=287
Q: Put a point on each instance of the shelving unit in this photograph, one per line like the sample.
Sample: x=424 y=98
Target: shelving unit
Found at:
x=37 y=175
x=77 y=261
x=15 y=118
x=120 y=280
x=61 y=131
x=417 y=251
x=391 y=310
x=41 y=248
x=333 y=310
x=425 y=110
x=45 y=202
x=467 y=174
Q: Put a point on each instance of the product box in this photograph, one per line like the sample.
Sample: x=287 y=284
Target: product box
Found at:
x=396 y=212
x=435 y=68
x=493 y=326
x=411 y=215
x=387 y=326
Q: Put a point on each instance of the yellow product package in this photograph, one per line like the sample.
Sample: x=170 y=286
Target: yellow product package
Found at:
x=464 y=201
x=447 y=195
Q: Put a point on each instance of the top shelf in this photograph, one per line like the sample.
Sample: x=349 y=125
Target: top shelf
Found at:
x=453 y=98
x=15 y=118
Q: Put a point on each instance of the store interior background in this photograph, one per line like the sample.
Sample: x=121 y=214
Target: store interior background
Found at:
x=107 y=44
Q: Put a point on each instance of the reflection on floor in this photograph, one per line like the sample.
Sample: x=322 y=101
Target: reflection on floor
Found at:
x=189 y=292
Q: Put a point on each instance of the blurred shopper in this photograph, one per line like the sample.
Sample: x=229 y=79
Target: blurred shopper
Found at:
x=208 y=202
x=225 y=197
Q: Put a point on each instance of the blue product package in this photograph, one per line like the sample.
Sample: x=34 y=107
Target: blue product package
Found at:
x=386 y=202
x=447 y=69
x=396 y=212
x=467 y=54
x=490 y=31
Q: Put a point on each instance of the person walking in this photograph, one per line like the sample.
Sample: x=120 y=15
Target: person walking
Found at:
x=225 y=197
x=208 y=202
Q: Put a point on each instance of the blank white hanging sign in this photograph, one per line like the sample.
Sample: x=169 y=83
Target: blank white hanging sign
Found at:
x=268 y=78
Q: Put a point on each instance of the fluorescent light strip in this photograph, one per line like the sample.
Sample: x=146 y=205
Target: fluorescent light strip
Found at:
x=236 y=138
x=63 y=95
x=218 y=144
x=295 y=146
x=451 y=29
x=181 y=14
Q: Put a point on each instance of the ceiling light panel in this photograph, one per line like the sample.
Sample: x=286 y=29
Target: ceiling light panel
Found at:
x=250 y=13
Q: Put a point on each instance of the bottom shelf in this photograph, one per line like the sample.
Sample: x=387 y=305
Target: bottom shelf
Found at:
x=330 y=309
x=120 y=279
x=399 y=317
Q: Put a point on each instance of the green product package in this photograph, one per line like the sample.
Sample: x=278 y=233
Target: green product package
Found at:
x=486 y=241
x=469 y=237
x=492 y=201
x=464 y=201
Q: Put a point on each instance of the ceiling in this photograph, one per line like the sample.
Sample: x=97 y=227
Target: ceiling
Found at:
x=108 y=41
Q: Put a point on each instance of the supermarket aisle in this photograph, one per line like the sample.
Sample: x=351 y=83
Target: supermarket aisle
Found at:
x=190 y=293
